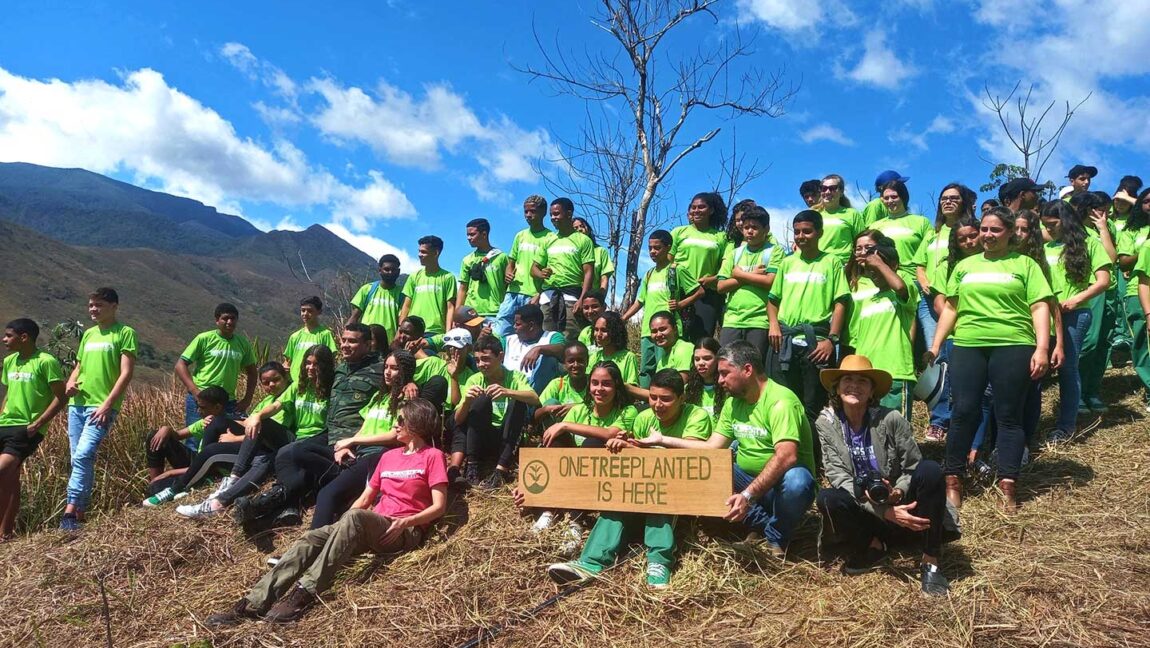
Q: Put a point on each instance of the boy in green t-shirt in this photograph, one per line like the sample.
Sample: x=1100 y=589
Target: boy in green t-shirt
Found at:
x=105 y=361
x=379 y=302
x=216 y=358
x=807 y=310
x=313 y=333
x=746 y=278
x=522 y=286
x=35 y=394
x=565 y=265
x=668 y=418
x=666 y=287
x=566 y=391
x=431 y=291
x=482 y=274
x=492 y=414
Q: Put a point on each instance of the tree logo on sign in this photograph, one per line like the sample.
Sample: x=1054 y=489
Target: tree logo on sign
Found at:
x=536 y=477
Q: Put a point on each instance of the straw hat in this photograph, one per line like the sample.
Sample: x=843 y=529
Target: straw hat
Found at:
x=858 y=365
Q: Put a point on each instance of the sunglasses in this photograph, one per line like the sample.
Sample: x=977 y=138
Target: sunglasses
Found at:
x=829 y=188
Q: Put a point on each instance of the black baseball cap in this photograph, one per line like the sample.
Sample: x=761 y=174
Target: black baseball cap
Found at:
x=1081 y=169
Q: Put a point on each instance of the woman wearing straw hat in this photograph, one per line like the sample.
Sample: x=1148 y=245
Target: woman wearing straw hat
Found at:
x=881 y=486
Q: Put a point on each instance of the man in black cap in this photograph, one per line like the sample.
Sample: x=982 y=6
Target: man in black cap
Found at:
x=1019 y=193
x=1080 y=176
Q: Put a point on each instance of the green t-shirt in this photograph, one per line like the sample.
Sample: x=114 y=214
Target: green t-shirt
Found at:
x=840 y=227
x=196 y=431
x=655 y=292
x=933 y=254
x=430 y=293
x=693 y=423
x=587 y=337
x=1141 y=267
x=99 y=358
x=383 y=308
x=286 y=415
x=627 y=362
x=431 y=366
x=747 y=305
x=875 y=210
x=601 y=265
x=623 y=418
x=217 y=360
x=806 y=290
x=707 y=400
x=512 y=380
x=560 y=391
x=680 y=357
x=1131 y=242
x=566 y=256
x=377 y=417
x=701 y=252
x=525 y=250
x=309 y=410
x=300 y=342
x=28 y=382
x=777 y=416
x=879 y=327
x=485 y=295
x=994 y=298
x=1060 y=283
x=909 y=233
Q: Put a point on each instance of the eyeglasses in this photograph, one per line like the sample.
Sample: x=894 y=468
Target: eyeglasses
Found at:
x=829 y=188
x=950 y=199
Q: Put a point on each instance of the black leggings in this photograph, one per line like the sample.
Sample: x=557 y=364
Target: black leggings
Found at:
x=254 y=459
x=756 y=336
x=708 y=310
x=302 y=466
x=857 y=526
x=336 y=495
x=477 y=435
x=1007 y=369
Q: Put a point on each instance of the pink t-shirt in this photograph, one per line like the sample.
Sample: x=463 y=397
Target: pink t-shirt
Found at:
x=405 y=480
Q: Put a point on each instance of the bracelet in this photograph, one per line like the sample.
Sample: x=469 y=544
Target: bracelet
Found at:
x=747 y=496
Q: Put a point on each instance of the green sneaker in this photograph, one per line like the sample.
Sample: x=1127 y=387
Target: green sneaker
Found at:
x=658 y=576
x=163 y=497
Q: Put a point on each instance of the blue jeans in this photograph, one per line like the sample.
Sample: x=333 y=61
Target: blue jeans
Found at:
x=779 y=509
x=927 y=324
x=84 y=438
x=192 y=414
x=1075 y=324
x=505 y=318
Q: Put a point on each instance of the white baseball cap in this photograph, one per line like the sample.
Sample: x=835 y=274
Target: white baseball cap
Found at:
x=457 y=338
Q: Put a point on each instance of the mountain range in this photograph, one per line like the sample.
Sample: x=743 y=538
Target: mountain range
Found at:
x=64 y=232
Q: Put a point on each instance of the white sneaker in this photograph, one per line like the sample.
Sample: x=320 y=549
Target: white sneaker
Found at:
x=225 y=484
x=544 y=521
x=201 y=510
x=574 y=542
x=273 y=561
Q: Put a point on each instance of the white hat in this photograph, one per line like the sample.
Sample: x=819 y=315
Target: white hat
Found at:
x=929 y=386
x=457 y=338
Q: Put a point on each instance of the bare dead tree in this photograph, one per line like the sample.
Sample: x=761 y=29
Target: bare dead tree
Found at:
x=1026 y=135
x=656 y=90
x=735 y=171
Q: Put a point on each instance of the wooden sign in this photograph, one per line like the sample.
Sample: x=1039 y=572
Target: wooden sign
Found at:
x=654 y=480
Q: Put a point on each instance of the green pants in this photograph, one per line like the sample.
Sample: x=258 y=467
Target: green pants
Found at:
x=1096 y=347
x=649 y=356
x=900 y=397
x=1120 y=334
x=610 y=533
x=316 y=557
x=1139 y=356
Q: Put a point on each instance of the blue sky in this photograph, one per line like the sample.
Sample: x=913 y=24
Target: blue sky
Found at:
x=389 y=120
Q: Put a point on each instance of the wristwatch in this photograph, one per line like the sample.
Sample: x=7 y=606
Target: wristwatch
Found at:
x=747 y=496
x=834 y=338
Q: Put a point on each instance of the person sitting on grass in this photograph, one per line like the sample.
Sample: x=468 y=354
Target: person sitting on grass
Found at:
x=703 y=388
x=216 y=438
x=611 y=340
x=406 y=493
x=676 y=353
x=668 y=417
x=559 y=397
x=35 y=394
x=881 y=487
x=491 y=415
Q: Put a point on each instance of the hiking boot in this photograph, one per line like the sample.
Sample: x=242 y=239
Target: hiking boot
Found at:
x=70 y=523
x=471 y=473
x=290 y=516
x=291 y=607
x=202 y=510
x=240 y=612
x=866 y=560
x=1009 y=496
x=936 y=433
x=247 y=509
x=934 y=583
x=496 y=480
x=454 y=476
x=1096 y=405
x=658 y=576
x=569 y=572
x=163 y=497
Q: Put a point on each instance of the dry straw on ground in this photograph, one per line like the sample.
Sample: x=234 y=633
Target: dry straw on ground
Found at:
x=1072 y=569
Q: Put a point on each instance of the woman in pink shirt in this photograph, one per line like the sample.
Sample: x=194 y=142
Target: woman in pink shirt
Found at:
x=410 y=483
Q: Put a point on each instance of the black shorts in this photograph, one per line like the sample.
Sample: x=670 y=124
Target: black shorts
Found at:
x=14 y=440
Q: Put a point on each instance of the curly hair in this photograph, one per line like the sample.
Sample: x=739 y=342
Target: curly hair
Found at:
x=406 y=363
x=622 y=398
x=696 y=383
x=1032 y=246
x=953 y=249
x=325 y=372
x=1075 y=257
x=616 y=330
x=884 y=248
x=718 y=208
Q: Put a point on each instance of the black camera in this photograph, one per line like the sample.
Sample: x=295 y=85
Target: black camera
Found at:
x=872 y=484
x=477 y=271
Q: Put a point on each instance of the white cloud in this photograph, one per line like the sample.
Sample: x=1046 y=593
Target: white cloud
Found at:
x=374 y=247
x=825 y=132
x=785 y=15
x=287 y=223
x=171 y=141
x=938 y=126
x=879 y=66
x=258 y=69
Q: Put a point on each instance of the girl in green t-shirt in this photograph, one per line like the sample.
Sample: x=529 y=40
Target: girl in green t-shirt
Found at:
x=699 y=246
x=606 y=413
x=1132 y=247
x=567 y=391
x=601 y=265
x=996 y=305
x=610 y=335
x=703 y=388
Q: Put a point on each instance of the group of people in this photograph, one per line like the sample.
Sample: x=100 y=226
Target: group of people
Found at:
x=801 y=358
